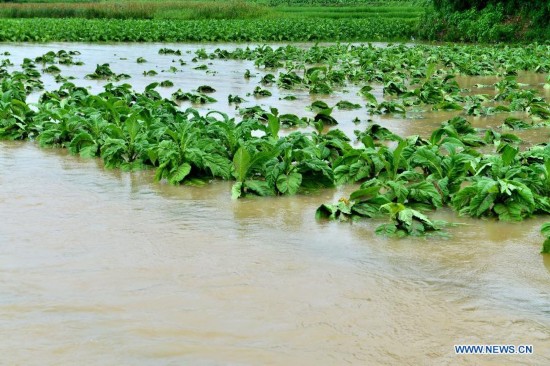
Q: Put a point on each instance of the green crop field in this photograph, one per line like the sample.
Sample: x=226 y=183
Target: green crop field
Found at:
x=181 y=21
x=209 y=9
x=257 y=30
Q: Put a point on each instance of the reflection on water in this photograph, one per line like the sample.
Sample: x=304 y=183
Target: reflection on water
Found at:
x=546 y=260
x=108 y=267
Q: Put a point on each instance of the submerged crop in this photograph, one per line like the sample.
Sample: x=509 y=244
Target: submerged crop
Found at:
x=478 y=172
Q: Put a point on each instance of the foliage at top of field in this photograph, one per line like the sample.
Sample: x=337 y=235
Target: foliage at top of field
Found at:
x=257 y=30
x=487 y=20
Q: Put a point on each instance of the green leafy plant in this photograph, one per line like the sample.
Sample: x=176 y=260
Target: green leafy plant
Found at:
x=244 y=165
x=104 y=72
x=406 y=221
x=197 y=98
x=510 y=200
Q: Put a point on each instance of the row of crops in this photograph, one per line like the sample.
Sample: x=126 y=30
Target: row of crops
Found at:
x=478 y=172
x=114 y=30
x=334 y=2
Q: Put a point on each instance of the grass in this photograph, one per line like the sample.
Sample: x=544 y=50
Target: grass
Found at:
x=234 y=9
x=205 y=20
x=50 y=1
x=372 y=11
x=196 y=10
x=203 y=9
x=75 y=10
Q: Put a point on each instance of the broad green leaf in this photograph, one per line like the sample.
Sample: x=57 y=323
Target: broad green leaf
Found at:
x=274 y=125
x=364 y=194
x=370 y=208
x=508 y=154
x=481 y=203
x=425 y=192
x=393 y=208
x=427 y=158
x=133 y=127
x=405 y=217
x=511 y=211
x=89 y=151
x=218 y=165
x=326 y=211
x=430 y=70
x=289 y=184
x=527 y=195
x=399 y=190
x=319 y=106
x=236 y=190
x=259 y=187
x=371 y=100
x=241 y=162
x=487 y=191
x=397 y=156
x=344 y=104
x=318 y=165
x=388 y=230
x=181 y=172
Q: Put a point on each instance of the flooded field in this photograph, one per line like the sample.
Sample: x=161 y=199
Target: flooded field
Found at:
x=103 y=267
x=110 y=268
x=227 y=77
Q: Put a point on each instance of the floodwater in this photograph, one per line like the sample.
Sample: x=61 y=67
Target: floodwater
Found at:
x=102 y=267
x=227 y=77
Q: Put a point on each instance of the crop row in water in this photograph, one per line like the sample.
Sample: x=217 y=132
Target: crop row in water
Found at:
x=258 y=30
x=487 y=172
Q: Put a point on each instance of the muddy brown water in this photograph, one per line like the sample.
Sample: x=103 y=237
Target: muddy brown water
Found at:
x=102 y=267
